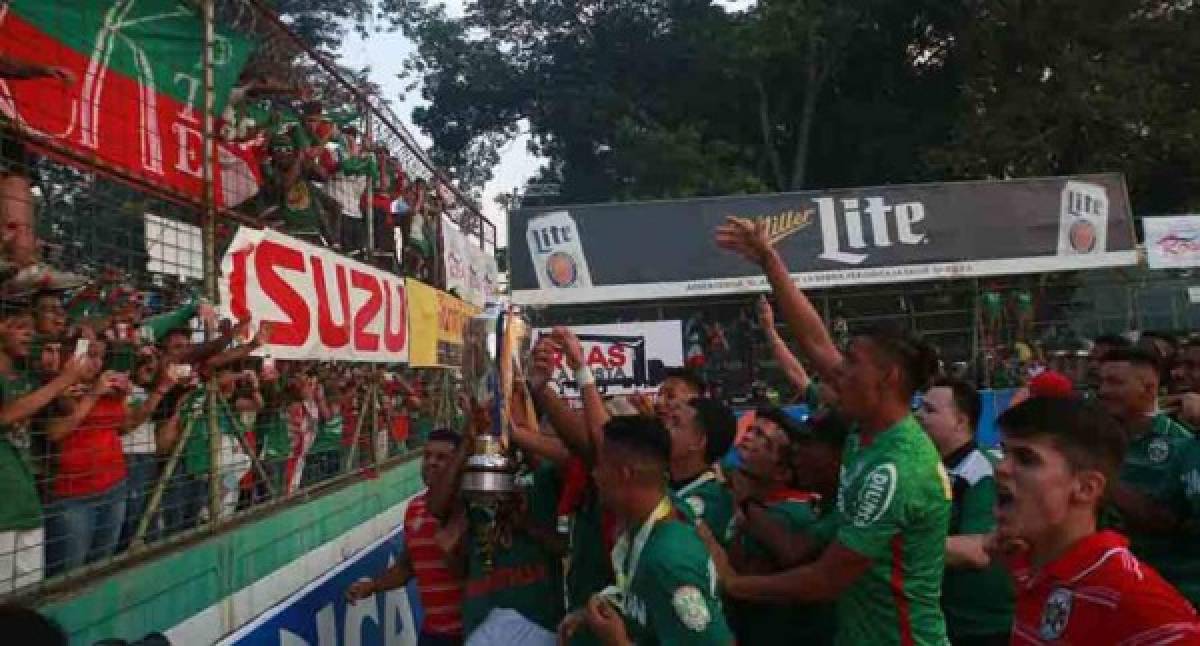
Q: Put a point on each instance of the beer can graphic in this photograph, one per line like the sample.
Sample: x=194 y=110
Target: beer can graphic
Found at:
x=557 y=251
x=1083 y=219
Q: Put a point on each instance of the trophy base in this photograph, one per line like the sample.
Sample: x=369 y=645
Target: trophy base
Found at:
x=486 y=482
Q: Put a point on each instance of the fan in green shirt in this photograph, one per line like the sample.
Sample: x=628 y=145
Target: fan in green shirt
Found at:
x=1150 y=500
x=665 y=590
x=770 y=511
x=885 y=562
x=977 y=595
x=702 y=430
x=21 y=399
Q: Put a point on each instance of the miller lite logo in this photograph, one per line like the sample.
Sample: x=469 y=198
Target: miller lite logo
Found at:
x=1083 y=219
x=888 y=225
x=557 y=251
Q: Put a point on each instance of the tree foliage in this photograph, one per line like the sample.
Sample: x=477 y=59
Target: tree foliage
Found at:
x=662 y=98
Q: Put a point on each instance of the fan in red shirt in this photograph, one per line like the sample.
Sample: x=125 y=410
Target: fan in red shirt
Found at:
x=423 y=558
x=1075 y=585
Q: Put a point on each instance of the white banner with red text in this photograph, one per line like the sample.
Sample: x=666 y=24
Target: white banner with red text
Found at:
x=321 y=306
x=471 y=272
x=626 y=358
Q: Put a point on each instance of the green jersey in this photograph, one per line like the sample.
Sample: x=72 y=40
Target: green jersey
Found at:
x=329 y=434
x=22 y=509
x=708 y=499
x=1155 y=464
x=524 y=577
x=976 y=602
x=893 y=506
x=672 y=594
x=197 y=456
x=770 y=623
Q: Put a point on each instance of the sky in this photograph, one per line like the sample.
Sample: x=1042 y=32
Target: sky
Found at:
x=385 y=54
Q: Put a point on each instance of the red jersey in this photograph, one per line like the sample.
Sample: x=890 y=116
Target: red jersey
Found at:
x=441 y=593
x=90 y=459
x=1099 y=593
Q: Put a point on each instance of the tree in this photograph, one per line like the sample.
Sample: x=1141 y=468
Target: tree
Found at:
x=1070 y=86
x=670 y=98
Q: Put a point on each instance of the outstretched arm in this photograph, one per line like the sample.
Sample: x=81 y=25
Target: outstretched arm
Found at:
x=792 y=368
x=749 y=239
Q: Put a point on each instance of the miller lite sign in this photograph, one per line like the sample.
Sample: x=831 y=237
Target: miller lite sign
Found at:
x=557 y=251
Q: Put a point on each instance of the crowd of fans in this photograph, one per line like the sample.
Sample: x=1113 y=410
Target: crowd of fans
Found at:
x=873 y=521
x=107 y=422
x=103 y=405
x=322 y=178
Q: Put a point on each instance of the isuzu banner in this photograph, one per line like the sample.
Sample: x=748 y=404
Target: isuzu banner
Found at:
x=625 y=358
x=655 y=250
x=320 y=305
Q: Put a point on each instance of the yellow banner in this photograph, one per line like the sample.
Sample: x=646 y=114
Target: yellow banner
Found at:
x=435 y=325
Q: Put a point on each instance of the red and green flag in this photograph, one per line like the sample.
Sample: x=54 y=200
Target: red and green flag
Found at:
x=137 y=100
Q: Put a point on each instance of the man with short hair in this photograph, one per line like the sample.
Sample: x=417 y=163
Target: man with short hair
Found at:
x=1075 y=584
x=665 y=591
x=1102 y=346
x=423 y=557
x=768 y=512
x=1150 y=499
x=702 y=430
x=976 y=595
x=679 y=385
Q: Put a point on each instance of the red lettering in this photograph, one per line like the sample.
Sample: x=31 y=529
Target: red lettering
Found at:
x=333 y=335
x=558 y=360
x=394 y=341
x=616 y=355
x=294 y=331
x=596 y=356
x=237 y=284
x=364 y=340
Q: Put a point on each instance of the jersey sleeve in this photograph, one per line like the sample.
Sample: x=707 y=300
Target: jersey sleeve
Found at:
x=978 y=503
x=681 y=603
x=874 y=511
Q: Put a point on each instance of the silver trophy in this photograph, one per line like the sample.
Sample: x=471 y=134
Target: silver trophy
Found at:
x=495 y=349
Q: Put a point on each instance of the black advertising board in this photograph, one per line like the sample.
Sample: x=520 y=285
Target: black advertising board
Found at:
x=657 y=250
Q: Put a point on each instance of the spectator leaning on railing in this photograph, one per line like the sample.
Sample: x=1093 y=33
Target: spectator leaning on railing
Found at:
x=22 y=537
x=89 y=486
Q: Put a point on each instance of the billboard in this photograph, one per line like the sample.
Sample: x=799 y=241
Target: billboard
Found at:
x=626 y=358
x=319 y=615
x=655 y=250
x=321 y=305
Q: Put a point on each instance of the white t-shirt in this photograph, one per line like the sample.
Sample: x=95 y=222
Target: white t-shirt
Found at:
x=140 y=440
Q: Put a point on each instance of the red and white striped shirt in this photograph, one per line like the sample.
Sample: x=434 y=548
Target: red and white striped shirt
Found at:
x=1099 y=593
x=441 y=592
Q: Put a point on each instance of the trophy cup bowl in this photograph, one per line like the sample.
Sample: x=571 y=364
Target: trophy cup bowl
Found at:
x=495 y=344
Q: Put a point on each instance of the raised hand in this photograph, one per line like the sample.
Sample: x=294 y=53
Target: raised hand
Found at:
x=571 y=348
x=746 y=238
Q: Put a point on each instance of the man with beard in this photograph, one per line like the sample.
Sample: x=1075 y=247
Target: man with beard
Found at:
x=1075 y=584
x=423 y=556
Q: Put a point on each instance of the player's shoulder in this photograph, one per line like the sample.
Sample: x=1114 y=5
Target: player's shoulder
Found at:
x=674 y=541
x=1134 y=590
